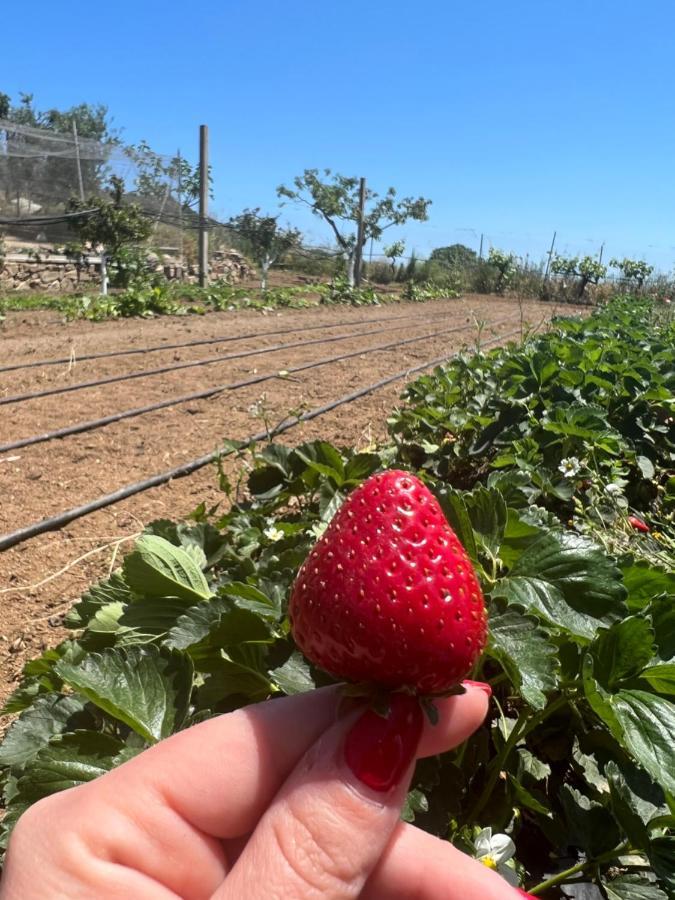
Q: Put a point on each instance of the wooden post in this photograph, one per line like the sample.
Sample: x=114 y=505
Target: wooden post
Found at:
x=480 y=251
x=203 y=205
x=359 y=233
x=180 y=209
x=79 y=161
x=550 y=256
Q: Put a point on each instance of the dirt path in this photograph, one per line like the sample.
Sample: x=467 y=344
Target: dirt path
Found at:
x=48 y=478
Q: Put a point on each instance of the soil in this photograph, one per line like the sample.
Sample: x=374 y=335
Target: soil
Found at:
x=42 y=577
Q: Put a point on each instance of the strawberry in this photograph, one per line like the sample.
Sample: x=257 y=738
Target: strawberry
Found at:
x=638 y=524
x=388 y=595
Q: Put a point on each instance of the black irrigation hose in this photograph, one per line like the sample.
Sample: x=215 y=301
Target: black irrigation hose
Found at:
x=55 y=522
x=218 y=340
x=162 y=370
x=92 y=424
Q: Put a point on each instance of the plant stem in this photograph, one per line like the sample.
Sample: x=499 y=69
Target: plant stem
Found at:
x=564 y=876
x=523 y=727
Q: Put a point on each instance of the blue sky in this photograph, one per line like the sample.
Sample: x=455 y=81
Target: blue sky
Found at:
x=515 y=118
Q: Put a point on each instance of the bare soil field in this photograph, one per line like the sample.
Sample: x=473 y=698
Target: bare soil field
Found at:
x=40 y=578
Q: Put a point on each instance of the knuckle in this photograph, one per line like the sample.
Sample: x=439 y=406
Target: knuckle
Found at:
x=316 y=856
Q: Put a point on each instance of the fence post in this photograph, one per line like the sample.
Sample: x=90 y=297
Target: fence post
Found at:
x=203 y=205
x=550 y=256
x=359 y=233
x=79 y=161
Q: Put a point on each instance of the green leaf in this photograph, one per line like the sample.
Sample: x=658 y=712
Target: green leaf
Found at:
x=488 y=515
x=661 y=853
x=518 y=535
x=644 y=582
x=567 y=580
x=112 y=590
x=526 y=652
x=157 y=568
x=591 y=771
x=147 y=689
x=295 y=676
x=227 y=676
x=661 y=678
x=643 y=723
x=622 y=651
x=636 y=800
x=632 y=887
x=455 y=510
x=48 y=716
x=247 y=596
x=67 y=761
x=646 y=467
x=527 y=799
x=219 y=623
x=590 y=825
x=415 y=802
x=361 y=466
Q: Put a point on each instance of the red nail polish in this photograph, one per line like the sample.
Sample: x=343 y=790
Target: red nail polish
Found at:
x=524 y=893
x=379 y=750
x=482 y=685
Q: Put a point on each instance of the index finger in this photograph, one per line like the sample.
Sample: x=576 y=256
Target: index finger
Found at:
x=221 y=775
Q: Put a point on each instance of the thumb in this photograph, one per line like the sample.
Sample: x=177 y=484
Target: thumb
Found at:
x=331 y=821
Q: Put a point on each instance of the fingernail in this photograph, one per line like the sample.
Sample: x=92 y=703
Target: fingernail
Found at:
x=481 y=685
x=379 y=750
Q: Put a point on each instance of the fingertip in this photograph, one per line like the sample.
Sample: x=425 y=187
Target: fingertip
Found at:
x=458 y=717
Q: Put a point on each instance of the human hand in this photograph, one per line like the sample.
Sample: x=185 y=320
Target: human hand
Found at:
x=292 y=798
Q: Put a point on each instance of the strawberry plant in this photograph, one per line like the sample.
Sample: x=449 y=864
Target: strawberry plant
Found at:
x=569 y=784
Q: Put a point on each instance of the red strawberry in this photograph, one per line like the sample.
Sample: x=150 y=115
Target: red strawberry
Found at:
x=388 y=595
x=638 y=524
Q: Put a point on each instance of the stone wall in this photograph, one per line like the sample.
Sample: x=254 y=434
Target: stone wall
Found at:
x=56 y=274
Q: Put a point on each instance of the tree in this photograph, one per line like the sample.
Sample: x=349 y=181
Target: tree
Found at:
x=587 y=269
x=266 y=240
x=156 y=174
x=633 y=270
x=392 y=252
x=335 y=199
x=117 y=227
x=456 y=256
x=505 y=265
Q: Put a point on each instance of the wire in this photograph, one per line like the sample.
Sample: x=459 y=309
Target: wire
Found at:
x=94 y=424
x=162 y=370
x=55 y=522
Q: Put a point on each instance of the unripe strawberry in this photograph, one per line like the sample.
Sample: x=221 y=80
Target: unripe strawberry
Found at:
x=388 y=594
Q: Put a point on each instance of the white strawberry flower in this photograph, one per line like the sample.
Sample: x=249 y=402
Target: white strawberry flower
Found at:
x=570 y=466
x=495 y=851
x=273 y=534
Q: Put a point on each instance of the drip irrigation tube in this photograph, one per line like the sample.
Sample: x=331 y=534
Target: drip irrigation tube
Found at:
x=55 y=522
x=93 y=424
x=65 y=360
x=162 y=370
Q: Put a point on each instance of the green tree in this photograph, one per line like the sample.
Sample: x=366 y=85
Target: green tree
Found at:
x=455 y=256
x=587 y=270
x=116 y=227
x=335 y=199
x=636 y=271
x=267 y=242
x=504 y=263
x=393 y=252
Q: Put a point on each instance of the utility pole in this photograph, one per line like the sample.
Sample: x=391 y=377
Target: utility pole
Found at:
x=550 y=256
x=203 y=205
x=480 y=251
x=359 y=233
x=79 y=161
x=602 y=248
x=180 y=208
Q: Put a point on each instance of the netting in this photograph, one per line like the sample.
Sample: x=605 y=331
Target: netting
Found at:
x=42 y=170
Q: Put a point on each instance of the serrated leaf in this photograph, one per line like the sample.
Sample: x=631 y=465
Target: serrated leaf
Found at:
x=415 y=802
x=644 y=582
x=229 y=676
x=589 y=766
x=661 y=678
x=622 y=651
x=455 y=510
x=643 y=723
x=567 y=580
x=531 y=765
x=112 y=590
x=247 y=596
x=67 y=761
x=147 y=689
x=632 y=887
x=48 y=716
x=295 y=676
x=156 y=568
x=488 y=515
x=636 y=800
x=219 y=623
x=590 y=825
x=525 y=650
